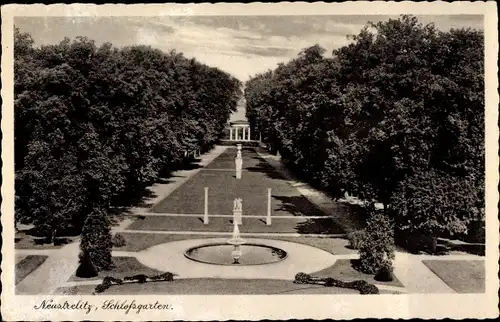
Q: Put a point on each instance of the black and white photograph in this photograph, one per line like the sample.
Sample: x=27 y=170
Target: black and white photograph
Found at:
x=249 y=162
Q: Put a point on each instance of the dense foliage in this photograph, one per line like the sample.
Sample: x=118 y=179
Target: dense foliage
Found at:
x=377 y=247
x=396 y=117
x=95 y=125
x=96 y=242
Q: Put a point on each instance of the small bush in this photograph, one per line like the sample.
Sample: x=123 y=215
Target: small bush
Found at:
x=302 y=278
x=368 y=289
x=163 y=277
x=86 y=269
x=141 y=278
x=384 y=274
x=108 y=281
x=118 y=240
x=362 y=286
x=355 y=238
x=377 y=248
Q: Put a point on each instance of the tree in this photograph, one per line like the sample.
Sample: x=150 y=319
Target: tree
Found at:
x=377 y=247
x=95 y=125
x=96 y=242
x=402 y=100
x=434 y=203
x=86 y=269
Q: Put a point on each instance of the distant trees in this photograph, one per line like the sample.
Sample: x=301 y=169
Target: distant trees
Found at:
x=94 y=125
x=395 y=117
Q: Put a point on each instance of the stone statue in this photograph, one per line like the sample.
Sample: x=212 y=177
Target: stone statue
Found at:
x=237 y=205
x=238 y=162
x=238 y=154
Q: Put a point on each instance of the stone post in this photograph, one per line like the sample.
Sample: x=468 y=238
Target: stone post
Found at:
x=238 y=162
x=268 y=218
x=239 y=165
x=205 y=215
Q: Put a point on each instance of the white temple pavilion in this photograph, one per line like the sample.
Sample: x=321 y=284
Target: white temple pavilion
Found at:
x=239 y=131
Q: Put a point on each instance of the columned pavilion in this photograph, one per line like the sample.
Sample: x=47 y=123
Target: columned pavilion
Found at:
x=239 y=131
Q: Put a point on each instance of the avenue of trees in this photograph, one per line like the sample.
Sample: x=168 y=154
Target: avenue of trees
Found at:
x=95 y=125
x=396 y=117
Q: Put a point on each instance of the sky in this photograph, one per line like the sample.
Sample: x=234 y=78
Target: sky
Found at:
x=240 y=45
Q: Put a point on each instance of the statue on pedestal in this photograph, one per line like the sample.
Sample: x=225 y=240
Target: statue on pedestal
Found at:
x=239 y=162
x=237 y=204
x=237 y=211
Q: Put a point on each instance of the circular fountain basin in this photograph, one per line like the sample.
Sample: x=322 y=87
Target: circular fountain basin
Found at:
x=221 y=254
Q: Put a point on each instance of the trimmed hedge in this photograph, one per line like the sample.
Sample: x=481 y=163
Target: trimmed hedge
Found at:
x=108 y=281
x=362 y=286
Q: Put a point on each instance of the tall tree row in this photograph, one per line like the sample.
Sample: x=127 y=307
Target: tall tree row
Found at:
x=396 y=117
x=94 y=125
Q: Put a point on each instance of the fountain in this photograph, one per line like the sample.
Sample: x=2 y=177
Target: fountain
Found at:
x=235 y=250
x=236 y=241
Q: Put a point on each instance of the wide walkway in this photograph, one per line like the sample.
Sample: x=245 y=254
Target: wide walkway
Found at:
x=171 y=220
x=183 y=209
x=220 y=177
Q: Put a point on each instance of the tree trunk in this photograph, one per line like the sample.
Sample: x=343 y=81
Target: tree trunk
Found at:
x=433 y=244
x=53 y=237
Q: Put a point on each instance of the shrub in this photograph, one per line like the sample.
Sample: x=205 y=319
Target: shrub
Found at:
x=141 y=278
x=377 y=247
x=118 y=240
x=108 y=281
x=368 y=289
x=362 y=286
x=302 y=278
x=111 y=280
x=86 y=269
x=384 y=274
x=163 y=277
x=96 y=240
x=355 y=238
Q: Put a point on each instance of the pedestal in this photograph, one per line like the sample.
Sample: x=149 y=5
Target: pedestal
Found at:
x=205 y=213
x=239 y=165
x=268 y=218
x=237 y=217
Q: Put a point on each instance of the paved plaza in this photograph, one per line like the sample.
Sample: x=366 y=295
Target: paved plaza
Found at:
x=310 y=227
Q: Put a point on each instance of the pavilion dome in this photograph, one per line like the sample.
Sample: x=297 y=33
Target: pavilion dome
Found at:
x=239 y=122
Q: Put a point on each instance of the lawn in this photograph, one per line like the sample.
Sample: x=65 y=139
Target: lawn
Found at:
x=125 y=266
x=25 y=241
x=206 y=286
x=250 y=225
x=343 y=270
x=135 y=242
x=257 y=176
x=27 y=265
x=463 y=276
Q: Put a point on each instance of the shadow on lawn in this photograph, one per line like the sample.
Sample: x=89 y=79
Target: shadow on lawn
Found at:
x=319 y=226
x=141 y=197
x=298 y=206
x=266 y=168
